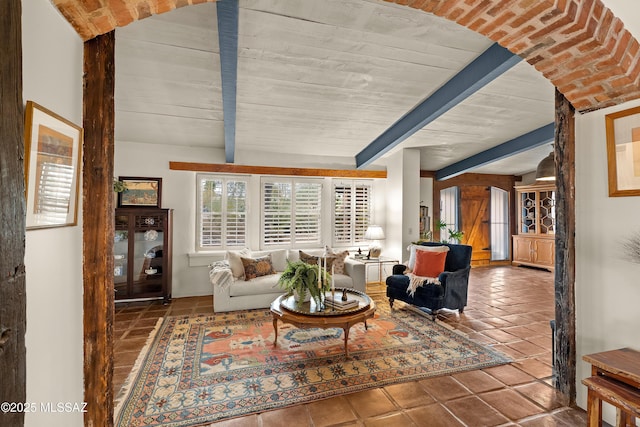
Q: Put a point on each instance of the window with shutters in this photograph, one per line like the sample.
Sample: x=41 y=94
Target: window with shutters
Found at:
x=291 y=212
x=222 y=212
x=352 y=206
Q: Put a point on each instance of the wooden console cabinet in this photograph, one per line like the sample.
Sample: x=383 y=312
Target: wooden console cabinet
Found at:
x=142 y=254
x=534 y=245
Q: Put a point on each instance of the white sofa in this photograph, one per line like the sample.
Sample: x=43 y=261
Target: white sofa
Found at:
x=233 y=293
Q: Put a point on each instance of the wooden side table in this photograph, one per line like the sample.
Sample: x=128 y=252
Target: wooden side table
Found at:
x=615 y=378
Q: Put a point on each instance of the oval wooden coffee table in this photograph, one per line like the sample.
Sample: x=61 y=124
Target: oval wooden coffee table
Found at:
x=307 y=315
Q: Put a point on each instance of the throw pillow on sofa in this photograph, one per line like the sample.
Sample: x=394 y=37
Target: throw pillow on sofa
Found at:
x=278 y=257
x=257 y=267
x=338 y=261
x=235 y=263
x=313 y=260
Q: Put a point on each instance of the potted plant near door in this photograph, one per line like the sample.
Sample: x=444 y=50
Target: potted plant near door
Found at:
x=301 y=280
x=455 y=236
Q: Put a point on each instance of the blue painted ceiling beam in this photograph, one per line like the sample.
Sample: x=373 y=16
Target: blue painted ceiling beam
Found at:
x=533 y=139
x=228 y=12
x=485 y=68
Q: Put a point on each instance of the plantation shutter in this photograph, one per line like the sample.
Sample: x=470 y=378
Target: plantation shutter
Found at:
x=308 y=209
x=210 y=213
x=276 y=212
x=235 y=212
x=222 y=215
x=342 y=215
x=362 y=211
x=352 y=212
x=291 y=212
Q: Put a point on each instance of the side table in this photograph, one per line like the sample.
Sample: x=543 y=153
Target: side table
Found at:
x=615 y=379
x=380 y=262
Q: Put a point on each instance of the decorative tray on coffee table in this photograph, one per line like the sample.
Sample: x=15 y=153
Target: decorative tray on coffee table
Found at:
x=310 y=308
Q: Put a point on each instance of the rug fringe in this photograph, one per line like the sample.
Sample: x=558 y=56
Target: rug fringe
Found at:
x=124 y=390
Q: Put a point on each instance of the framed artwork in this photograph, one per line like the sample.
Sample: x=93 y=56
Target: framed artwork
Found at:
x=623 y=152
x=52 y=164
x=140 y=192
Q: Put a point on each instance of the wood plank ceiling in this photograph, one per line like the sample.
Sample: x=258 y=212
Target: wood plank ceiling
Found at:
x=319 y=81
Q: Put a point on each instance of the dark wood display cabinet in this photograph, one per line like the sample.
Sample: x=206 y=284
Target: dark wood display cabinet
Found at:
x=142 y=254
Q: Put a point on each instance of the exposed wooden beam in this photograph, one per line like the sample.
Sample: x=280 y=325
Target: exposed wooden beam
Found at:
x=13 y=298
x=98 y=228
x=533 y=139
x=485 y=68
x=427 y=174
x=271 y=170
x=565 y=268
x=228 y=12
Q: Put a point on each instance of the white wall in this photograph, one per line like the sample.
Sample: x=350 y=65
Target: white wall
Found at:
x=52 y=77
x=179 y=194
x=607 y=287
x=426 y=198
x=190 y=272
x=403 y=195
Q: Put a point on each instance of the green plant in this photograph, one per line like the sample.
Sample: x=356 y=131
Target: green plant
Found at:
x=300 y=277
x=454 y=235
x=119 y=186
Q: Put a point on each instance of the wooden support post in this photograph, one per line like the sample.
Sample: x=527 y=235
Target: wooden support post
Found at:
x=12 y=215
x=565 y=357
x=98 y=228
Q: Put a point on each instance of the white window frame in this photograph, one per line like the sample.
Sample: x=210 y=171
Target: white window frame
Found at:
x=224 y=238
x=295 y=238
x=449 y=211
x=499 y=224
x=355 y=233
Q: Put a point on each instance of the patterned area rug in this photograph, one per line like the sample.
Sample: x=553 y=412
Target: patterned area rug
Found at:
x=197 y=370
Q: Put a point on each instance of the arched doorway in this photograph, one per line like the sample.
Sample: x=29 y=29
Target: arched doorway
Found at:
x=566 y=44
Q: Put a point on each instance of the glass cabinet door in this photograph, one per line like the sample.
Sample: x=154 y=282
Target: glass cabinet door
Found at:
x=121 y=255
x=528 y=219
x=147 y=257
x=547 y=209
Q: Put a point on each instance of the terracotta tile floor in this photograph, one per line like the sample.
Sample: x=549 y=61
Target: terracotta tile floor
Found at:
x=509 y=308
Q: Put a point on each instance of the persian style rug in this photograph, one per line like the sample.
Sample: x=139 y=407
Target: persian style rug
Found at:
x=197 y=370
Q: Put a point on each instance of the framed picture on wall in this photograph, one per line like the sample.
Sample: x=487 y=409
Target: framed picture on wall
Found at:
x=140 y=192
x=623 y=152
x=52 y=163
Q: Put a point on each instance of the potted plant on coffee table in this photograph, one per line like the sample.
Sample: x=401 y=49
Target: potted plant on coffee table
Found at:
x=301 y=279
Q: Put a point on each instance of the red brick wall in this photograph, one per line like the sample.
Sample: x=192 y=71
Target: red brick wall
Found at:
x=578 y=45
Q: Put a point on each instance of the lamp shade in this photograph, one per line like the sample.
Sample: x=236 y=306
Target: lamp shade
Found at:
x=546 y=170
x=374 y=232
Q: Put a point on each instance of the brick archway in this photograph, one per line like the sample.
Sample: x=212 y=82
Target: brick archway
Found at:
x=579 y=45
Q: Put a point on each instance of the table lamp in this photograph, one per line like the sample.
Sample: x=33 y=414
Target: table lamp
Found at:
x=375 y=234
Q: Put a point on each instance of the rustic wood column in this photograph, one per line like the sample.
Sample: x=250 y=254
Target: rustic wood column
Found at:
x=12 y=214
x=565 y=357
x=98 y=228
